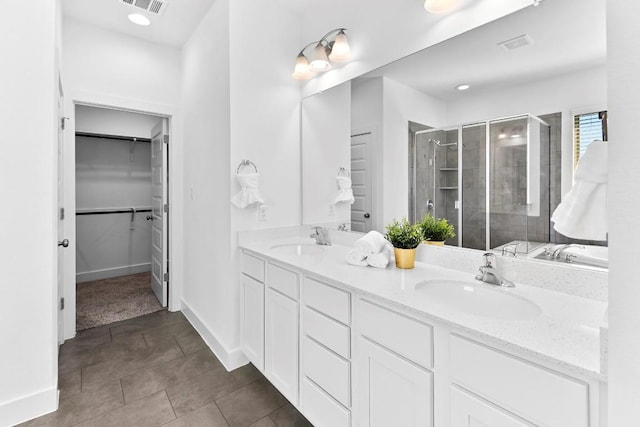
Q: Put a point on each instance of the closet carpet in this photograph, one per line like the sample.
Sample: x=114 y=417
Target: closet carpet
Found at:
x=105 y=301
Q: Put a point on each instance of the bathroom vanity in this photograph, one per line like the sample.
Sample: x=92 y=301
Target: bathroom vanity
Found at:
x=359 y=346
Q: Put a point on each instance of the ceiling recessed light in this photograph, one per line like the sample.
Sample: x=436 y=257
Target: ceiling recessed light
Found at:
x=463 y=87
x=136 y=18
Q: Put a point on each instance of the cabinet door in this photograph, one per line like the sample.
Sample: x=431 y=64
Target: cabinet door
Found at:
x=391 y=391
x=470 y=411
x=253 y=321
x=281 y=344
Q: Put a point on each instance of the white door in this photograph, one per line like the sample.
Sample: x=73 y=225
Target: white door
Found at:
x=361 y=168
x=470 y=411
x=281 y=344
x=62 y=241
x=253 y=321
x=391 y=391
x=159 y=247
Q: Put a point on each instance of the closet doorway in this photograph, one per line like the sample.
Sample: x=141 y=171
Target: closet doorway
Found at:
x=121 y=172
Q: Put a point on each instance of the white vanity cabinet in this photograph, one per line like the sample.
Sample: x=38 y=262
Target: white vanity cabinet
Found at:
x=468 y=410
x=282 y=330
x=326 y=354
x=252 y=282
x=394 y=385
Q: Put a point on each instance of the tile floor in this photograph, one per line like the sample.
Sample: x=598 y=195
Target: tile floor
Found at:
x=155 y=370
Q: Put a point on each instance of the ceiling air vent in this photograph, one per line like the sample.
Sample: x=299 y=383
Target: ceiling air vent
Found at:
x=516 y=42
x=156 y=7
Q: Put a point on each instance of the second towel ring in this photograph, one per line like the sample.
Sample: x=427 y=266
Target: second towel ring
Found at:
x=246 y=163
x=344 y=172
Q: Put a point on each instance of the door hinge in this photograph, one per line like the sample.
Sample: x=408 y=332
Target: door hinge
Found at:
x=61 y=303
x=165 y=277
x=62 y=119
x=166 y=207
x=61 y=214
x=165 y=138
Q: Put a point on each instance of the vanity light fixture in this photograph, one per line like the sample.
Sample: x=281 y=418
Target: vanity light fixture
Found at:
x=139 y=19
x=440 y=6
x=463 y=86
x=325 y=52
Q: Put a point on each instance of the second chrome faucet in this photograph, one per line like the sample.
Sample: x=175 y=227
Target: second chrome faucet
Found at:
x=490 y=274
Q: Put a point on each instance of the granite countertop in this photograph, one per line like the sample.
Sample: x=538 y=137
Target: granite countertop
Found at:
x=566 y=334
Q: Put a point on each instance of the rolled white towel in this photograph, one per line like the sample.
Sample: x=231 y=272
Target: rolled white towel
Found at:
x=370 y=243
x=356 y=258
x=379 y=260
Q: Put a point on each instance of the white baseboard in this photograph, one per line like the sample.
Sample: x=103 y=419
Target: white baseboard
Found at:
x=107 y=273
x=231 y=359
x=28 y=407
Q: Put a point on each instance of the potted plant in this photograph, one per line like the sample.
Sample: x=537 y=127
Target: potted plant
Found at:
x=405 y=238
x=436 y=230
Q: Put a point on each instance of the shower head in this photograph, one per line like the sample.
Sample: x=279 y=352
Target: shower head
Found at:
x=439 y=144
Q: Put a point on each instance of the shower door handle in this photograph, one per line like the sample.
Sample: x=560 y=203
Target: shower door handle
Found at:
x=367 y=215
x=64 y=243
x=430 y=204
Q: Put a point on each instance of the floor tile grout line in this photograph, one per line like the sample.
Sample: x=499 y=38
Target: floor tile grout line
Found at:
x=222 y=413
x=171 y=404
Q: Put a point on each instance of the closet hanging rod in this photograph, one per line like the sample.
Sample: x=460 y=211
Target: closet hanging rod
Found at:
x=110 y=211
x=117 y=137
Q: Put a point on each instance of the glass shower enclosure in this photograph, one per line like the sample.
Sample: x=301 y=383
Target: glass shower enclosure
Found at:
x=491 y=180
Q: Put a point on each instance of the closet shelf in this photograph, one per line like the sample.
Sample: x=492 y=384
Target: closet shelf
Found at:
x=448 y=169
x=447 y=188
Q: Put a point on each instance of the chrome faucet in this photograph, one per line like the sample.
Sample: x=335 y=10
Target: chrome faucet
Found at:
x=489 y=274
x=510 y=249
x=321 y=235
x=558 y=250
x=344 y=226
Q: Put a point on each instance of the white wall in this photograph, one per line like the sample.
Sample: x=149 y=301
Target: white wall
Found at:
x=326 y=132
x=103 y=61
x=623 y=36
x=106 y=177
x=391 y=30
x=402 y=104
x=28 y=107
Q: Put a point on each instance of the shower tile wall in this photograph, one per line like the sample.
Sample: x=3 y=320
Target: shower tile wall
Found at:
x=447 y=181
x=473 y=184
x=424 y=172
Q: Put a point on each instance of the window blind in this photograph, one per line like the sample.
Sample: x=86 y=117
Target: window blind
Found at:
x=586 y=128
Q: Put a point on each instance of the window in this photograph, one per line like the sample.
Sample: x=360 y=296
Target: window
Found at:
x=586 y=128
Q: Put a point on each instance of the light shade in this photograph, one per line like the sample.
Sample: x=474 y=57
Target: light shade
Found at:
x=440 y=6
x=340 y=51
x=302 y=71
x=320 y=60
x=136 y=18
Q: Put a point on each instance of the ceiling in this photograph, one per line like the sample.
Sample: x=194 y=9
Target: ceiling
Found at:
x=567 y=35
x=173 y=28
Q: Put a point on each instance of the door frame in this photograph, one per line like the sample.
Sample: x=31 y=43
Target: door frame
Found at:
x=174 y=190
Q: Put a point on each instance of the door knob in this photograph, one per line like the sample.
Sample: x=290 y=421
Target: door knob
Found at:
x=367 y=215
x=149 y=218
x=64 y=243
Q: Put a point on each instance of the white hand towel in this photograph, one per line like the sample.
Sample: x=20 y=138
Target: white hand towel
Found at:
x=379 y=260
x=370 y=243
x=345 y=192
x=248 y=194
x=582 y=214
x=356 y=258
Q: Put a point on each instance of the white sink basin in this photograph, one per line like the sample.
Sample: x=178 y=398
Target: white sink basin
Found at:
x=477 y=299
x=299 y=249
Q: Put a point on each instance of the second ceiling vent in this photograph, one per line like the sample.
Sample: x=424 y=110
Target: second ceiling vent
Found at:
x=157 y=7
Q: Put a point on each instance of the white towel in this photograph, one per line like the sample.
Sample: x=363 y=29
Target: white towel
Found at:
x=356 y=258
x=248 y=194
x=345 y=192
x=582 y=214
x=379 y=260
x=370 y=243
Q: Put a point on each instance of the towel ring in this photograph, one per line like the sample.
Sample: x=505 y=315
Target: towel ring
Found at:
x=344 y=172
x=246 y=163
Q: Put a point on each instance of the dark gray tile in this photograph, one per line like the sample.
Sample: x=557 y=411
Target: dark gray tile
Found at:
x=159 y=377
x=191 y=342
x=264 y=422
x=158 y=319
x=209 y=415
x=288 y=416
x=250 y=403
x=70 y=383
x=151 y=411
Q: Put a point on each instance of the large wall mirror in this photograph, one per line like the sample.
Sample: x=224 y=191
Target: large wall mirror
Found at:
x=495 y=159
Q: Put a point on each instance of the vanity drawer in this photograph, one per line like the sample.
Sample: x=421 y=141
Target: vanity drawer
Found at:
x=328 y=300
x=283 y=281
x=327 y=331
x=404 y=335
x=320 y=409
x=252 y=266
x=328 y=370
x=531 y=391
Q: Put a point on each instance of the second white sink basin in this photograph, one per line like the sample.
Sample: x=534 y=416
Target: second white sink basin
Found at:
x=299 y=249
x=477 y=299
